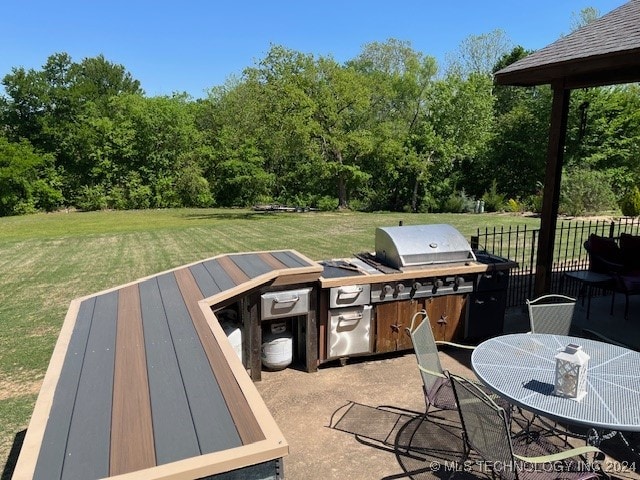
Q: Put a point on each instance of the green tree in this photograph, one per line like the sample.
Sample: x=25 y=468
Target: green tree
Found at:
x=515 y=156
x=282 y=124
x=479 y=54
x=461 y=119
x=584 y=17
x=240 y=139
x=341 y=100
x=306 y=121
x=400 y=80
x=604 y=133
x=27 y=181
x=584 y=191
x=157 y=139
x=52 y=108
x=508 y=97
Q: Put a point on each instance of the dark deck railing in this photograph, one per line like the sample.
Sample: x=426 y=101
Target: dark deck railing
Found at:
x=520 y=244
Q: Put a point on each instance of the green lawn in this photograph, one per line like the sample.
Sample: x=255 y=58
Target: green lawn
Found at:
x=46 y=260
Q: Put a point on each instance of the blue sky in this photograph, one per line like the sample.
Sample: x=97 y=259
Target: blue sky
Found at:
x=191 y=46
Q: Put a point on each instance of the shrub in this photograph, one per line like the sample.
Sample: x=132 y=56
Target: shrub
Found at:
x=194 y=190
x=91 y=198
x=165 y=195
x=117 y=198
x=458 y=202
x=358 y=205
x=24 y=207
x=585 y=191
x=326 y=204
x=428 y=204
x=493 y=201
x=47 y=197
x=453 y=204
x=514 y=206
x=630 y=203
x=139 y=196
x=534 y=202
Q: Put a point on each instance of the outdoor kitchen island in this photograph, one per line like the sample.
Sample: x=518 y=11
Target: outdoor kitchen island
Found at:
x=367 y=302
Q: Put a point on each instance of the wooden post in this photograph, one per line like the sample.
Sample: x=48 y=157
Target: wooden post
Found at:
x=551 y=198
x=253 y=335
x=311 y=340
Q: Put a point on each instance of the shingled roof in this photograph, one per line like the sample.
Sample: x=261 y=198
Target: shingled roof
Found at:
x=604 y=52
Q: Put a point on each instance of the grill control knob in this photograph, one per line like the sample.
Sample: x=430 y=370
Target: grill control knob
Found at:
x=387 y=289
x=417 y=285
x=459 y=281
x=399 y=287
x=438 y=283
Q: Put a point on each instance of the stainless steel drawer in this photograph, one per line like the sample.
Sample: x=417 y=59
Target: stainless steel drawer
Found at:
x=349 y=296
x=349 y=332
x=287 y=303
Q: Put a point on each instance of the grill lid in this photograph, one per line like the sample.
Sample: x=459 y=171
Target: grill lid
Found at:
x=418 y=245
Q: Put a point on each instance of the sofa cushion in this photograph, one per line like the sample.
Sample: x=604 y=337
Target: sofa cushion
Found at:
x=630 y=251
x=603 y=248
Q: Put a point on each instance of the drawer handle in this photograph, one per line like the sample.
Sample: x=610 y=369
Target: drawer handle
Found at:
x=356 y=317
x=286 y=300
x=350 y=291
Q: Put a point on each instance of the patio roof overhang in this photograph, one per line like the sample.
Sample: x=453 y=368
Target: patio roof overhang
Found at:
x=589 y=72
x=604 y=52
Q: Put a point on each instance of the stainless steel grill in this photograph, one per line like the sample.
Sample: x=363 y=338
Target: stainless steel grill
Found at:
x=419 y=245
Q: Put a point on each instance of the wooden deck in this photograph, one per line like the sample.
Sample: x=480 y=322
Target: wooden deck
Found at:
x=144 y=384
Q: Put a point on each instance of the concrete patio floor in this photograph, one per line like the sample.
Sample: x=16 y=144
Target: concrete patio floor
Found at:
x=306 y=406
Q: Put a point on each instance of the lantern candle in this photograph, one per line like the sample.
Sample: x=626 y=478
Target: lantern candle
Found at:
x=571 y=372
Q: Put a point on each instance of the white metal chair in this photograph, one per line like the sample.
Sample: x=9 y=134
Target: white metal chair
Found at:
x=552 y=314
x=486 y=431
x=435 y=384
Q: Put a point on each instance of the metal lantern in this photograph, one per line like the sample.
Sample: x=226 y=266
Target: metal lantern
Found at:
x=571 y=372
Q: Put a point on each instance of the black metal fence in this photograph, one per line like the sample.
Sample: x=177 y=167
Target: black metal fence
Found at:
x=520 y=245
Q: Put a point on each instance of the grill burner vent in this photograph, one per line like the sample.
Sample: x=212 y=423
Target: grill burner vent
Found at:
x=420 y=245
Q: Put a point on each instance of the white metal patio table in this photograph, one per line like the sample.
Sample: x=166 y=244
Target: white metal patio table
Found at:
x=521 y=369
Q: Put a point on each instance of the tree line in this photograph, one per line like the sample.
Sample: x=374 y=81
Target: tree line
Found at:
x=385 y=130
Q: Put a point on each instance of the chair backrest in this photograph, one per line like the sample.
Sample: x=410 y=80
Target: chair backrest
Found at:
x=604 y=253
x=485 y=427
x=426 y=351
x=551 y=314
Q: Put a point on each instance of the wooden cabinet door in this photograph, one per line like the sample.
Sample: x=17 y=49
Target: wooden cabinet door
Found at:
x=392 y=321
x=446 y=315
x=406 y=311
x=386 y=314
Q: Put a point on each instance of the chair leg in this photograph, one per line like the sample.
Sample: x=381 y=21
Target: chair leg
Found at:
x=423 y=418
x=626 y=306
x=613 y=299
